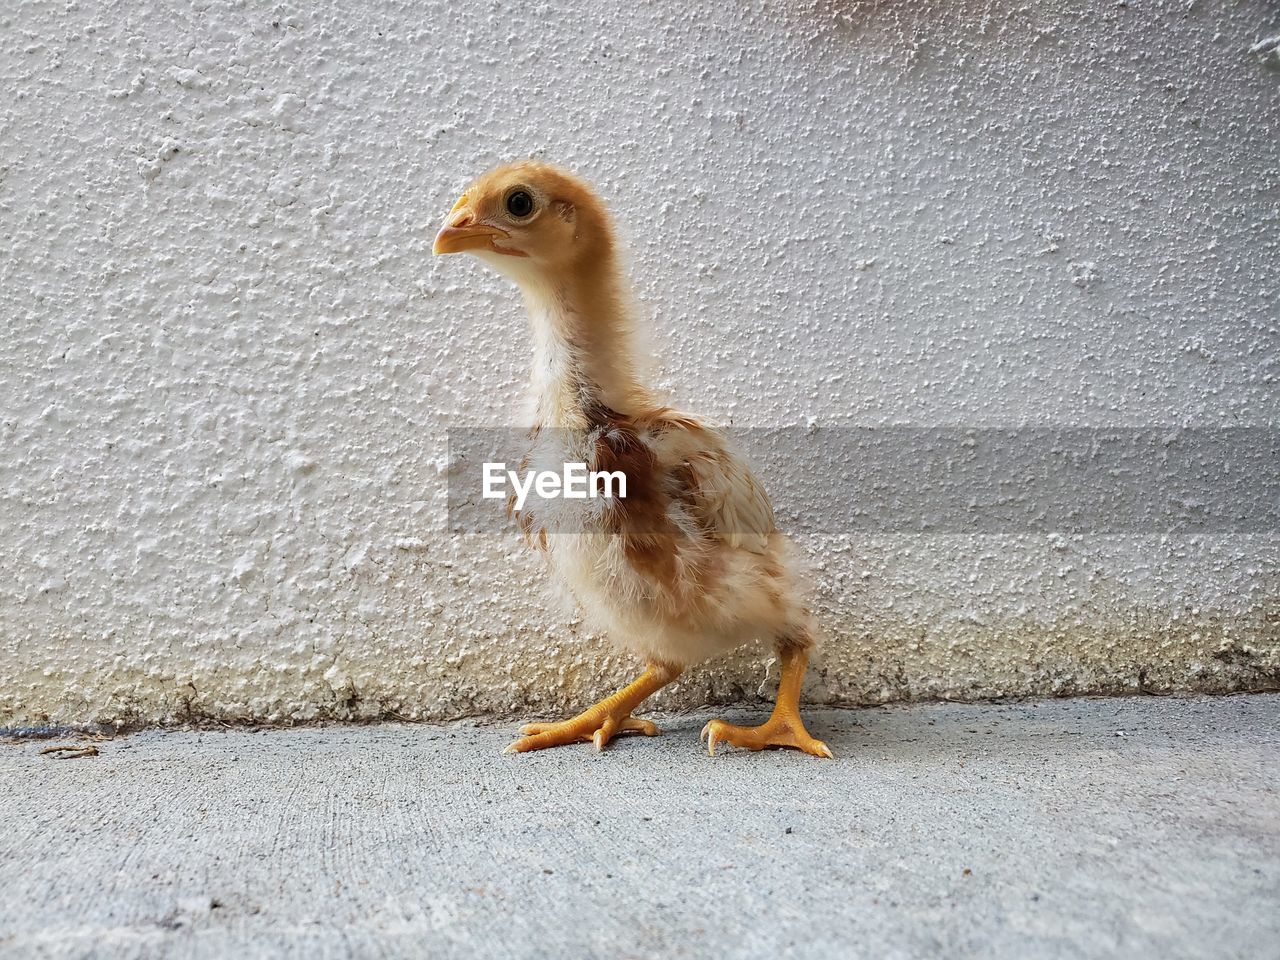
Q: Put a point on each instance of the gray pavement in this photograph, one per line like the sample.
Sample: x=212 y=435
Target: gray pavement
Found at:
x=1071 y=828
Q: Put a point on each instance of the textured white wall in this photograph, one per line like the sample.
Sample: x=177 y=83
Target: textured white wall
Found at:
x=229 y=361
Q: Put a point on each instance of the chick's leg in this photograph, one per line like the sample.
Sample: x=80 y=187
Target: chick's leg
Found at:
x=784 y=728
x=602 y=722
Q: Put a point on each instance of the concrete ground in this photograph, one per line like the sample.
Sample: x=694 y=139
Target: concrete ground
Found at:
x=1070 y=828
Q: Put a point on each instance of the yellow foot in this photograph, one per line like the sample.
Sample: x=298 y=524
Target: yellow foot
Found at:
x=771 y=733
x=597 y=727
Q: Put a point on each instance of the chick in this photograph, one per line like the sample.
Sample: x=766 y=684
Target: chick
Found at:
x=689 y=564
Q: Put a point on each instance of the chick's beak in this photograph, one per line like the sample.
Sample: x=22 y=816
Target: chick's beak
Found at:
x=457 y=237
x=462 y=232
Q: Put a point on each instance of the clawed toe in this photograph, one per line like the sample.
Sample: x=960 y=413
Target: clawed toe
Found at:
x=635 y=725
x=581 y=729
x=772 y=733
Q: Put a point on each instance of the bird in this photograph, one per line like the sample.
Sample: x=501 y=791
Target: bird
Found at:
x=689 y=563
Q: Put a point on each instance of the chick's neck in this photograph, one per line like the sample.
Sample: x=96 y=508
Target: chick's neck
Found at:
x=584 y=361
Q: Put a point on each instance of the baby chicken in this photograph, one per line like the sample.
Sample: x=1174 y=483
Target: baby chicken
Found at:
x=689 y=564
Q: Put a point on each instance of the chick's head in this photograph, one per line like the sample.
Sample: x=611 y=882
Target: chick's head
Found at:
x=531 y=221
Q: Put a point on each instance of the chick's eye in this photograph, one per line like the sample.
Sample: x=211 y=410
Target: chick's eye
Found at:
x=520 y=204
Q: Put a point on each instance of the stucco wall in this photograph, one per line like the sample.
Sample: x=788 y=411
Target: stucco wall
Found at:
x=230 y=362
